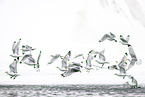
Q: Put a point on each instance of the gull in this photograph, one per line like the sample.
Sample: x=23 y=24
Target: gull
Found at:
x=26 y=48
x=13 y=69
x=102 y=59
x=54 y=58
x=15 y=49
x=65 y=60
x=133 y=83
x=33 y=63
x=133 y=57
x=110 y=37
x=90 y=57
x=70 y=71
x=124 y=41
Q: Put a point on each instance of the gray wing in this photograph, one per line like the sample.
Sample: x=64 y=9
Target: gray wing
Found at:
x=79 y=55
x=122 y=70
x=106 y=36
x=13 y=47
x=54 y=58
x=112 y=35
x=132 y=62
x=17 y=46
x=25 y=57
x=13 y=66
x=65 y=59
x=132 y=53
x=38 y=59
x=31 y=60
x=102 y=57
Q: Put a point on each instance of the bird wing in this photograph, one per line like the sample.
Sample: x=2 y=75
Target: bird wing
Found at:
x=54 y=58
x=132 y=53
x=65 y=59
x=17 y=47
x=13 y=47
x=31 y=60
x=38 y=59
x=112 y=35
x=106 y=36
x=25 y=57
x=132 y=62
x=102 y=57
x=122 y=70
x=123 y=40
x=79 y=55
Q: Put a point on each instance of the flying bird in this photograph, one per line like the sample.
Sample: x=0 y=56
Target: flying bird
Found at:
x=13 y=69
x=15 y=49
x=110 y=37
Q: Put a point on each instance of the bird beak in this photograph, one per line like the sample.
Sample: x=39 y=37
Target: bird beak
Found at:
x=114 y=74
x=125 y=82
x=20 y=49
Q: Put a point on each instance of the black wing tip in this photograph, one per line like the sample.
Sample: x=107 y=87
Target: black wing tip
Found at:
x=129 y=45
x=121 y=36
x=126 y=53
x=128 y=35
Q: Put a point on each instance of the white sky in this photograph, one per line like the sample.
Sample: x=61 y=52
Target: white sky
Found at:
x=57 y=26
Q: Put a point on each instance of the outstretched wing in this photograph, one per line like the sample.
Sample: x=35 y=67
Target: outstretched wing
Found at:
x=112 y=35
x=38 y=57
x=106 y=36
x=54 y=58
x=132 y=53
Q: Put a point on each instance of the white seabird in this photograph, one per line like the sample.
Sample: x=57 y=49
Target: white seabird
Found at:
x=102 y=59
x=110 y=37
x=15 y=49
x=133 y=83
x=13 y=69
x=33 y=63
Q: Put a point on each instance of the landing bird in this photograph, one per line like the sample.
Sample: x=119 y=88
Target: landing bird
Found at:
x=110 y=37
x=15 y=49
x=70 y=71
x=13 y=69
x=54 y=58
x=33 y=63
x=124 y=41
x=133 y=83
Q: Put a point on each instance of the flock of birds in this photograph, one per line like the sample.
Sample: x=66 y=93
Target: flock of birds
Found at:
x=69 y=66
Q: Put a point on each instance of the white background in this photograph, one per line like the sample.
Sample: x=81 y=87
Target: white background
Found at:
x=57 y=26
